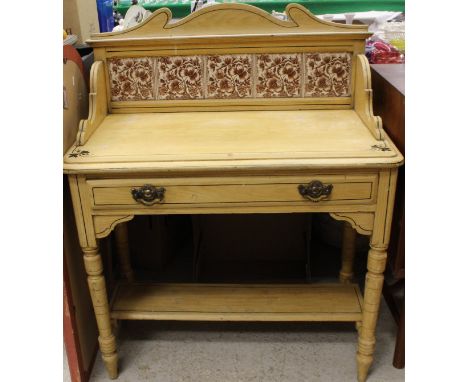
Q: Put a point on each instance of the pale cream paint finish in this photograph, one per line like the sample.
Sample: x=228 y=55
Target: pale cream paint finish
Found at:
x=221 y=156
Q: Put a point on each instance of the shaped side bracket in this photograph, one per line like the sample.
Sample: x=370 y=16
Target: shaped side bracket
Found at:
x=363 y=222
x=104 y=224
x=363 y=98
x=97 y=104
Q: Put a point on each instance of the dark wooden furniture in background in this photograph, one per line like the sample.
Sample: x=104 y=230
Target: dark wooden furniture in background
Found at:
x=388 y=83
x=79 y=325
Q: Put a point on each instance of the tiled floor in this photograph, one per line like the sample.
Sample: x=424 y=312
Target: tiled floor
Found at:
x=256 y=352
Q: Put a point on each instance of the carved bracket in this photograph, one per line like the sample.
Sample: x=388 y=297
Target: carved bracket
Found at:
x=363 y=98
x=103 y=225
x=363 y=222
x=97 y=103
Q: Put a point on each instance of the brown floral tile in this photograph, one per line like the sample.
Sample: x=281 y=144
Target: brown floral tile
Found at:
x=180 y=77
x=229 y=76
x=278 y=75
x=328 y=74
x=131 y=79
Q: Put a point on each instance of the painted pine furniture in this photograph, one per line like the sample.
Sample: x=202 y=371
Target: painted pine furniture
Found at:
x=233 y=111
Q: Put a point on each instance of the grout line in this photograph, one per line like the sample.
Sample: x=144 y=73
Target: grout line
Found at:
x=156 y=78
x=303 y=74
x=204 y=61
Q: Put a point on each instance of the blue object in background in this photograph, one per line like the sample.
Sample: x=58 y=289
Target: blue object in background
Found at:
x=105 y=15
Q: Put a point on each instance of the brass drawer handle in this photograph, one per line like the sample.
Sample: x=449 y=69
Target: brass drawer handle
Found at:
x=148 y=194
x=315 y=190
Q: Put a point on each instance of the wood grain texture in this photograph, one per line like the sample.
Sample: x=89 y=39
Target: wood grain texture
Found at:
x=243 y=302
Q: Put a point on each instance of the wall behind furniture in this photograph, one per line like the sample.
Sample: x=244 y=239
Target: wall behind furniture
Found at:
x=81 y=17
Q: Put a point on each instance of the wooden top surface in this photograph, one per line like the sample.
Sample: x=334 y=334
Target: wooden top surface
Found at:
x=223 y=140
x=393 y=73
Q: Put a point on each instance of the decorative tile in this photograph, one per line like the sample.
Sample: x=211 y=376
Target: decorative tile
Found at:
x=278 y=75
x=328 y=74
x=229 y=76
x=233 y=76
x=131 y=79
x=180 y=77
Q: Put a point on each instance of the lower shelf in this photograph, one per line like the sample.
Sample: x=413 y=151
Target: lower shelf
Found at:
x=237 y=302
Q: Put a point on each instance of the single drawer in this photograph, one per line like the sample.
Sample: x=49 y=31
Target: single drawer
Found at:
x=288 y=190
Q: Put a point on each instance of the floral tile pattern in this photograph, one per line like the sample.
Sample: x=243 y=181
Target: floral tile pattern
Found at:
x=229 y=76
x=232 y=76
x=132 y=79
x=279 y=75
x=328 y=74
x=180 y=77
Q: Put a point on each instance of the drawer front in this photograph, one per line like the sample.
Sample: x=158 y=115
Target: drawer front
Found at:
x=359 y=189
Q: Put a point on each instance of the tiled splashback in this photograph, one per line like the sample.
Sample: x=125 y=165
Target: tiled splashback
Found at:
x=232 y=76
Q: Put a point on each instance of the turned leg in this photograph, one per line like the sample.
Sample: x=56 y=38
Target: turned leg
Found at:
x=123 y=252
x=373 y=289
x=358 y=325
x=376 y=262
x=97 y=288
x=348 y=249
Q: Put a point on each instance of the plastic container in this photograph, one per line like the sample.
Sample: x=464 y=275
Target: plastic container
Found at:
x=105 y=15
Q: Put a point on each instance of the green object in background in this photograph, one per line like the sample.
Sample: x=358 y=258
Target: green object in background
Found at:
x=181 y=8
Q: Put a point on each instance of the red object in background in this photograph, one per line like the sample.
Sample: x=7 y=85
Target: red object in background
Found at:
x=70 y=336
x=79 y=366
x=380 y=52
x=385 y=57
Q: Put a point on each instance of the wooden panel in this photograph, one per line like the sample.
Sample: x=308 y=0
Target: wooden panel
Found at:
x=250 y=302
x=75 y=103
x=80 y=330
x=81 y=308
x=228 y=20
x=389 y=101
x=242 y=135
x=228 y=29
x=232 y=190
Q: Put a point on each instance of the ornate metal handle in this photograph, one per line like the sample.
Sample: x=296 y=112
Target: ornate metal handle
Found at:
x=315 y=190
x=148 y=194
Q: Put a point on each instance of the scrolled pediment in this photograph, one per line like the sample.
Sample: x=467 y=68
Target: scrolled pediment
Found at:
x=228 y=20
